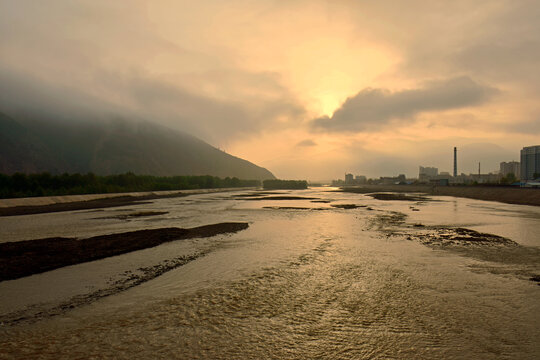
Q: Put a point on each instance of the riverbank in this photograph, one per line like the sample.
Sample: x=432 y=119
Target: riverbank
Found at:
x=47 y=204
x=509 y=195
x=24 y=258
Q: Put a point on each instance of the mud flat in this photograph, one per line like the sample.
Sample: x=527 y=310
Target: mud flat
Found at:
x=500 y=255
x=83 y=205
x=24 y=258
x=347 y=206
x=400 y=197
x=39 y=205
x=134 y=215
x=509 y=195
x=287 y=208
x=447 y=236
x=512 y=258
x=282 y=198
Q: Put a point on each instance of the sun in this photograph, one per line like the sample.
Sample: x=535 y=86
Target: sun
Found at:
x=328 y=104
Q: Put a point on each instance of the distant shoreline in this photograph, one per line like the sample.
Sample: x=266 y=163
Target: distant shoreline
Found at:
x=40 y=205
x=509 y=195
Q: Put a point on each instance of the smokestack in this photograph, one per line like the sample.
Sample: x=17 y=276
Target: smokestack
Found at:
x=455 y=161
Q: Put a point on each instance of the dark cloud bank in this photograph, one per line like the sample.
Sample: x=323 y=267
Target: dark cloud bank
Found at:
x=373 y=108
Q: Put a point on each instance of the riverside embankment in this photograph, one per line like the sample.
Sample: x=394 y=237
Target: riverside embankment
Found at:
x=509 y=195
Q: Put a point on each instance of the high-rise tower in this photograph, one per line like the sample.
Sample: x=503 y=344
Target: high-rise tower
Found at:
x=530 y=162
x=455 y=161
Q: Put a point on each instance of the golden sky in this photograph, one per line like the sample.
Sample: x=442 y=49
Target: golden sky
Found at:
x=308 y=89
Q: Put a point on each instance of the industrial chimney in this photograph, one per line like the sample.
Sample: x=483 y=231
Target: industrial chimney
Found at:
x=455 y=161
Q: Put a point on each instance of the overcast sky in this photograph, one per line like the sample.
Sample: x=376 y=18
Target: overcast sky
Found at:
x=308 y=89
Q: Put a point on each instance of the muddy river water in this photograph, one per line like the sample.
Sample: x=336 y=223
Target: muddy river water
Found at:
x=318 y=274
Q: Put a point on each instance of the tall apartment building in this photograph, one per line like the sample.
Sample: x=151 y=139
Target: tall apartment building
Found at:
x=513 y=167
x=530 y=162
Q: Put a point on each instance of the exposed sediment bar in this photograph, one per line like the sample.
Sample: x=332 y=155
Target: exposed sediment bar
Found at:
x=39 y=205
x=82 y=205
x=24 y=258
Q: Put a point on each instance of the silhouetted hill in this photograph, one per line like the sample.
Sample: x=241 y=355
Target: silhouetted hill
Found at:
x=111 y=147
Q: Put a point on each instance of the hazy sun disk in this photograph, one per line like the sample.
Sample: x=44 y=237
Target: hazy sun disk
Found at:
x=327 y=70
x=319 y=59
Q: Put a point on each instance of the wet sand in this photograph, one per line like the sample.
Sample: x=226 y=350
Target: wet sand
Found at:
x=280 y=198
x=81 y=205
x=520 y=261
x=24 y=258
x=401 y=197
x=40 y=205
x=509 y=195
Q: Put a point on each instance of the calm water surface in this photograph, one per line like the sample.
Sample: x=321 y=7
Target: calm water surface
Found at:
x=317 y=282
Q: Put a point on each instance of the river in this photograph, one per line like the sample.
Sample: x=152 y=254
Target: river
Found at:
x=374 y=279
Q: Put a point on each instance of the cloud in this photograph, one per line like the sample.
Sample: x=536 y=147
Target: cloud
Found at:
x=501 y=43
x=529 y=126
x=24 y=95
x=57 y=63
x=306 y=143
x=373 y=108
x=137 y=96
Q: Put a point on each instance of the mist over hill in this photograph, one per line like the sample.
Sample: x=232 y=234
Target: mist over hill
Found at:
x=30 y=144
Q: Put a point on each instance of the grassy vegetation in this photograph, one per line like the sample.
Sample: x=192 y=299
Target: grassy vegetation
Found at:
x=285 y=184
x=45 y=184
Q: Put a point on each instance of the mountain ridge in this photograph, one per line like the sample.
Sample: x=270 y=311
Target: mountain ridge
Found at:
x=114 y=146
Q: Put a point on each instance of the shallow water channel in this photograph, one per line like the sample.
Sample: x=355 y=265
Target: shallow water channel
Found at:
x=382 y=279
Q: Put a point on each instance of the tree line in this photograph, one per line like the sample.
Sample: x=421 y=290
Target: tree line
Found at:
x=45 y=184
x=285 y=184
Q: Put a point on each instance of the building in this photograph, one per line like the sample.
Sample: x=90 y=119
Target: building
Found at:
x=350 y=180
x=392 y=180
x=530 y=163
x=490 y=178
x=511 y=167
x=440 y=182
x=455 y=161
x=427 y=173
x=360 y=179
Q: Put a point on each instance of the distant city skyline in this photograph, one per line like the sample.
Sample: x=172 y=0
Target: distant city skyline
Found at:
x=529 y=161
x=490 y=156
